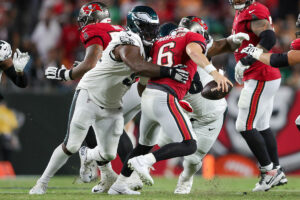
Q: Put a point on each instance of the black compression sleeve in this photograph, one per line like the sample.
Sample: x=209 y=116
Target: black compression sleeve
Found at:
x=279 y=60
x=267 y=39
x=20 y=81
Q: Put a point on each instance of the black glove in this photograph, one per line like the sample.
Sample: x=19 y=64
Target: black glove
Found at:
x=176 y=72
x=247 y=60
x=196 y=86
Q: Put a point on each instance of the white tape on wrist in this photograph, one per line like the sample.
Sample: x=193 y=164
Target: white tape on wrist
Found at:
x=67 y=75
x=209 y=68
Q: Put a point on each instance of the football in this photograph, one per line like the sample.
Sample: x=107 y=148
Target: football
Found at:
x=210 y=91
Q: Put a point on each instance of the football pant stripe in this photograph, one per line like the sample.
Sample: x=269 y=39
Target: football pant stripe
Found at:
x=254 y=104
x=180 y=121
x=71 y=113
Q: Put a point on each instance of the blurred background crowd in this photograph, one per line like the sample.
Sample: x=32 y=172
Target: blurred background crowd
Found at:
x=47 y=29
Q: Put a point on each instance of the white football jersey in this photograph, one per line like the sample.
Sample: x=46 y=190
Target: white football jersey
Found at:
x=5 y=53
x=205 y=110
x=106 y=82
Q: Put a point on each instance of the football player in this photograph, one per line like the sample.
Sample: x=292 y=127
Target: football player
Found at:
x=208 y=115
x=160 y=107
x=13 y=67
x=95 y=33
x=261 y=82
x=97 y=101
x=278 y=60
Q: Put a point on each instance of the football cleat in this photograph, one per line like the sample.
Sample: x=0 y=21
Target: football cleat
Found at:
x=85 y=167
x=184 y=186
x=108 y=177
x=141 y=166
x=268 y=180
x=89 y=172
x=134 y=182
x=121 y=188
x=39 y=188
x=283 y=180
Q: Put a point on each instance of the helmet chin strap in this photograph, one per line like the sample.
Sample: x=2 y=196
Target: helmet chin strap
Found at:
x=239 y=7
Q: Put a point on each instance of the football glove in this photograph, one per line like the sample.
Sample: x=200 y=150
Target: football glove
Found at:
x=20 y=60
x=176 y=72
x=239 y=72
x=58 y=73
x=238 y=38
x=252 y=51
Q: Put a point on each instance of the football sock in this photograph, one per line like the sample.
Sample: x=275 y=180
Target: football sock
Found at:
x=137 y=151
x=271 y=145
x=176 y=149
x=125 y=146
x=105 y=168
x=57 y=160
x=189 y=169
x=257 y=145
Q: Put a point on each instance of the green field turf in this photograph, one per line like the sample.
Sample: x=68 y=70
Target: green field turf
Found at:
x=67 y=188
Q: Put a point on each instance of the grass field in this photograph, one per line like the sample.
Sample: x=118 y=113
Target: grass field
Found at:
x=66 y=188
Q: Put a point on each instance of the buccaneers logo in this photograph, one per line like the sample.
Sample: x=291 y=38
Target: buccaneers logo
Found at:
x=91 y=8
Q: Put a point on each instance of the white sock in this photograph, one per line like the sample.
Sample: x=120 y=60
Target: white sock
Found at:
x=57 y=160
x=278 y=167
x=150 y=158
x=105 y=168
x=268 y=167
x=190 y=169
x=94 y=154
x=122 y=179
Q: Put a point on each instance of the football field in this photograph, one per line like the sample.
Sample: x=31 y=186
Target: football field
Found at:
x=67 y=188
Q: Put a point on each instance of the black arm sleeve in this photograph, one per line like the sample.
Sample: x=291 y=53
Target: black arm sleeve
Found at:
x=279 y=60
x=267 y=39
x=20 y=81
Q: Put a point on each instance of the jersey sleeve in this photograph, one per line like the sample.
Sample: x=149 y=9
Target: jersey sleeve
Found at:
x=256 y=11
x=5 y=50
x=197 y=38
x=90 y=36
x=295 y=45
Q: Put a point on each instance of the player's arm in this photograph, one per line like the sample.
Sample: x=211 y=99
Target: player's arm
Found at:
x=274 y=59
x=263 y=29
x=195 y=52
x=228 y=44
x=130 y=55
x=92 y=56
x=14 y=68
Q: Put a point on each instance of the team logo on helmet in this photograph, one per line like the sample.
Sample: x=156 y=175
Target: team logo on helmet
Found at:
x=91 y=8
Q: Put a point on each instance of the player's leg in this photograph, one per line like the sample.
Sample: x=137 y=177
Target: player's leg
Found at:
x=206 y=133
x=176 y=125
x=80 y=119
x=251 y=108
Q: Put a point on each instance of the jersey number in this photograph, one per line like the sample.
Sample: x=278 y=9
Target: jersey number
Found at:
x=165 y=55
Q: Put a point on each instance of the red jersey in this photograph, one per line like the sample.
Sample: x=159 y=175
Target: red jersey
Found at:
x=170 y=51
x=295 y=45
x=242 y=24
x=98 y=33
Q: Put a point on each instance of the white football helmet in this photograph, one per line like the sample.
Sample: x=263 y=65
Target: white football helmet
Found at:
x=5 y=50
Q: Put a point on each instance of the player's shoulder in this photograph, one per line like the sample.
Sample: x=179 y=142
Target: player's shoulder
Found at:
x=128 y=37
x=5 y=50
x=295 y=45
x=256 y=11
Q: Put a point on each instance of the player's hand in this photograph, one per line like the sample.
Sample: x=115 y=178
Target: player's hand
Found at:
x=55 y=73
x=178 y=73
x=221 y=80
x=238 y=38
x=20 y=60
x=252 y=51
x=239 y=72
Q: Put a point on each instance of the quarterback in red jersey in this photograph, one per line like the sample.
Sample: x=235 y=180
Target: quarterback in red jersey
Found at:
x=160 y=107
x=278 y=60
x=261 y=82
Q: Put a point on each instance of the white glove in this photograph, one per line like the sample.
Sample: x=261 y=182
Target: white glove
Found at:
x=58 y=73
x=238 y=38
x=20 y=60
x=239 y=72
x=252 y=51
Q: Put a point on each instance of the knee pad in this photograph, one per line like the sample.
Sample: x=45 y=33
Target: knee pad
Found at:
x=193 y=159
x=73 y=148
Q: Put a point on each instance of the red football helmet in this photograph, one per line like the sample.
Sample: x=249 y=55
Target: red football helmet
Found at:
x=242 y=5
x=195 y=24
x=92 y=12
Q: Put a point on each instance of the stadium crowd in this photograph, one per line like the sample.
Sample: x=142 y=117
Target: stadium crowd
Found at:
x=49 y=32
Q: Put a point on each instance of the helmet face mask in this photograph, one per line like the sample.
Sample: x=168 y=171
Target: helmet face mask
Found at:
x=144 y=21
x=241 y=6
x=92 y=12
x=166 y=29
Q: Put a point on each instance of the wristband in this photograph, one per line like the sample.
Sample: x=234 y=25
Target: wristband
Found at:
x=209 y=68
x=165 y=71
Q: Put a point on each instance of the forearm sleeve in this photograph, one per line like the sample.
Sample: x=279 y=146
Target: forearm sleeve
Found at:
x=20 y=81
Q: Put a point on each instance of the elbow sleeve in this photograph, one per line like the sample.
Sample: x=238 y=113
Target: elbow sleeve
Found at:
x=267 y=39
x=279 y=60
